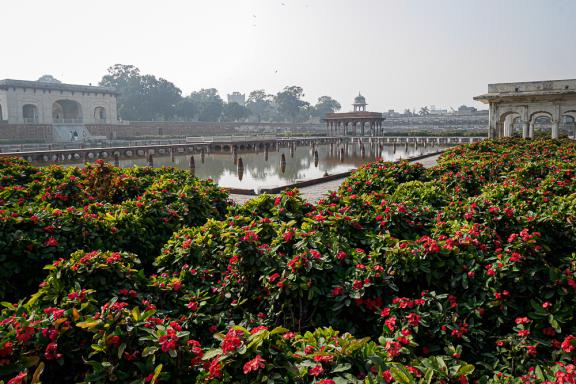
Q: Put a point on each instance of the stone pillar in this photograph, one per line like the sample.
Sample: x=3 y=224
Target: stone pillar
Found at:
x=555 y=125
x=525 y=133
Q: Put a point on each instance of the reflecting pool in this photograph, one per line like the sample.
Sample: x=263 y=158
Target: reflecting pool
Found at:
x=254 y=170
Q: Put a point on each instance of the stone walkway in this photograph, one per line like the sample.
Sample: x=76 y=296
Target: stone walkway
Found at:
x=315 y=192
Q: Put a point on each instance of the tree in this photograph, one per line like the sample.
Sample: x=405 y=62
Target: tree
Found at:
x=209 y=104
x=186 y=109
x=424 y=111
x=325 y=105
x=260 y=105
x=141 y=97
x=235 y=112
x=290 y=103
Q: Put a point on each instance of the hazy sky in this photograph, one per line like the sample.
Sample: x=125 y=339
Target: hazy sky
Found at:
x=398 y=53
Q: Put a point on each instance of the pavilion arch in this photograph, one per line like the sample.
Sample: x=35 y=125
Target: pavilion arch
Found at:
x=538 y=114
x=506 y=121
x=30 y=113
x=571 y=113
x=100 y=114
x=569 y=120
x=66 y=111
x=537 y=117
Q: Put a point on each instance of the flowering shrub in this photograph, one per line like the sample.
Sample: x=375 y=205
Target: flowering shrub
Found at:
x=465 y=272
x=48 y=213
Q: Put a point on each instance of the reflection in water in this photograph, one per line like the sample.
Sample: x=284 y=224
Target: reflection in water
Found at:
x=240 y=169
x=283 y=164
x=191 y=164
x=279 y=169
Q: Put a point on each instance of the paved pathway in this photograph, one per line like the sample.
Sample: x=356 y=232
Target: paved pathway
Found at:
x=314 y=193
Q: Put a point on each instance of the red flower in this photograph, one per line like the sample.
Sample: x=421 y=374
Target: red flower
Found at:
x=51 y=352
x=316 y=371
x=19 y=378
x=323 y=358
x=231 y=342
x=569 y=344
x=387 y=375
x=51 y=242
x=254 y=365
x=215 y=369
x=337 y=291
x=326 y=381
x=193 y=306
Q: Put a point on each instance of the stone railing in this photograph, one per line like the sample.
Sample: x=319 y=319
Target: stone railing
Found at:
x=68 y=121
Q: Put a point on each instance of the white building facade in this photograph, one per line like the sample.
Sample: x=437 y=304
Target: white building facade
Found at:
x=39 y=102
x=525 y=105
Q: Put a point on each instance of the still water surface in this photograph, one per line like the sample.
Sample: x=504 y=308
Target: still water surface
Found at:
x=301 y=164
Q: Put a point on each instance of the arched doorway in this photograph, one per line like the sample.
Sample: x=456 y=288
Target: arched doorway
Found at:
x=100 y=115
x=30 y=113
x=517 y=127
x=568 y=125
x=507 y=123
x=66 y=111
x=541 y=124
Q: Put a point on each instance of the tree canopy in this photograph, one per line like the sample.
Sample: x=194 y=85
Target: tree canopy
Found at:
x=145 y=97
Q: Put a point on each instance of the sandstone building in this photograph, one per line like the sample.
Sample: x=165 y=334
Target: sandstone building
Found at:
x=518 y=108
x=65 y=107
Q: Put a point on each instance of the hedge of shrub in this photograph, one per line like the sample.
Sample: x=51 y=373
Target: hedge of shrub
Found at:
x=465 y=272
x=46 y=213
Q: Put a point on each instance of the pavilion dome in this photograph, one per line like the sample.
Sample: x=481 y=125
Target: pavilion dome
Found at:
x=359 y=99
x=49 y=79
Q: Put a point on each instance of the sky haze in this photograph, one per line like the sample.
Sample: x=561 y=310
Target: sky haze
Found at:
x=399 y=54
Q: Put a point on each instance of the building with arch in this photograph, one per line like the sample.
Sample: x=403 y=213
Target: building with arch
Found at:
x=519 y=109
x=65 y=107
x=352 y=123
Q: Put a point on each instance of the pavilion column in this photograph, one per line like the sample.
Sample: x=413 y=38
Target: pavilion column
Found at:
x=525 y=131
x=499 y=132
x=531 y=130
x=362 y=129
x=555 y=126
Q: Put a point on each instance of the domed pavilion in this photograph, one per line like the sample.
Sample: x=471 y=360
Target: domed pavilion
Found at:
x=352 y=123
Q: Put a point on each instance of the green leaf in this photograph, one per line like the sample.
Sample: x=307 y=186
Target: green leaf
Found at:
x=342 y=367
x=466 y=369
x=88 y=324
x=278 y=330
x=121 y=350
x=156 y=373
x=401 y=374
x=8 y=305
x=427 y=379
x=149 y=351
x=212 y=353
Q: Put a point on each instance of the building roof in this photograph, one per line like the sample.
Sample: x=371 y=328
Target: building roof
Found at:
x=354 y=116
x=549 y=89
x=7 y=83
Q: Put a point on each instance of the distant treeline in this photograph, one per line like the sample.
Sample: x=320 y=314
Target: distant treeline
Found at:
x=147 y=98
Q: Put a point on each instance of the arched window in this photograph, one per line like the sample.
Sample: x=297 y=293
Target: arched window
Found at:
x=30 y=113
